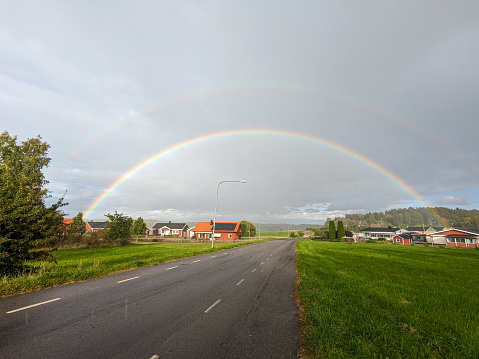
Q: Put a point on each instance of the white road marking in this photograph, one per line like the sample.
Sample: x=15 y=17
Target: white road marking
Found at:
x=199 y=260
x=172 y=268
x=154 y=357
x=126 y=280
x=33 y=305
x=254 y=270
x=241 y=281
x=213 y=256
x=213 y=305
x=261 y=263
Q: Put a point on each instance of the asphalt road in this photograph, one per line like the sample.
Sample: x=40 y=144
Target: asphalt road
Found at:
x=236 y=303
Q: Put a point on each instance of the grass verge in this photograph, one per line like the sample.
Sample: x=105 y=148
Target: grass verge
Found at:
x=377 y=301
x=80 y=264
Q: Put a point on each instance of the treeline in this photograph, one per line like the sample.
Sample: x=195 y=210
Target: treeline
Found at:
x=414 y=217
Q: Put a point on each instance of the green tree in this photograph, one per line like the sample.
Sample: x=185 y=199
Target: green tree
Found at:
x=26 y=222
x=332 y=230
x=319 y=233
x=341 y=231
x=300 y=234
x=138 y=227
x=471 y=222
x=249 y=229
x=119 y=228
x=77 y=228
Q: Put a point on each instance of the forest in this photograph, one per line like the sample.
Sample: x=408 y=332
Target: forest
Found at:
x=413 y=217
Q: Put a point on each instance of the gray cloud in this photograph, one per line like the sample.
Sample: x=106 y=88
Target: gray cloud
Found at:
x=388 y=92
x=452 y=201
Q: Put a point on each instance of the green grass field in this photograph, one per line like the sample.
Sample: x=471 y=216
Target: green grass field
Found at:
x=277 y=234
x=380 y=301
x=81 y=264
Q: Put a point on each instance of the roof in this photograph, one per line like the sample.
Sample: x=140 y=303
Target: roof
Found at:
x=98 y=225
x=422 y=229
x=458 y=232
x=67 y=221
x=219 y=227
x=404 y=235
x=380 y=229
x=203 y=227
x=226 y=226
x=170 y=225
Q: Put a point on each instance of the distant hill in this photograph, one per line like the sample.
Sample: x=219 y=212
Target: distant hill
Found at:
x=412 y=217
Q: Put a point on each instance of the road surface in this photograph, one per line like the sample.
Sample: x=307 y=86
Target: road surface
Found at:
x=236 y=303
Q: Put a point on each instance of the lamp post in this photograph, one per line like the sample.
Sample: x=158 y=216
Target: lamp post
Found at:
x=216 y=206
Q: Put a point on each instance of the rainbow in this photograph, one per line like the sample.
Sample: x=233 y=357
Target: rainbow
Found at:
x=303 y=90
x=257 y=132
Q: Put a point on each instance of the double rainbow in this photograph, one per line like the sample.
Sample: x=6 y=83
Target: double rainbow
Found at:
x=259 y=132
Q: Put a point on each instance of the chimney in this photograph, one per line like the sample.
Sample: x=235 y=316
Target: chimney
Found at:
x=211 y=222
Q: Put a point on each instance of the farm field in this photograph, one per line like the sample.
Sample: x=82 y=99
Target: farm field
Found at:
x=81 y=264
x=383 y=300
x=277 y=234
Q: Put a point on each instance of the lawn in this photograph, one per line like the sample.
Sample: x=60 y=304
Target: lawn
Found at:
x=380 y=300
x=81 y=264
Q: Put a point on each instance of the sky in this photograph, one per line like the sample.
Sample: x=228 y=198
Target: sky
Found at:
x=323 y=107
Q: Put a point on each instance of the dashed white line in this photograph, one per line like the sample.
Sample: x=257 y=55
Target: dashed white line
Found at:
x=261 y=263
x=33 y=305
x=154 y=357
x=126 y=280
x=199 y=260
x=241 y=281
x=213 y=256
x=213 y=305
x=172 y=268
x=254 y=270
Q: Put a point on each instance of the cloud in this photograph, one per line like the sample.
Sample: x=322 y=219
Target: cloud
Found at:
x=108 y=87
x=452 y=201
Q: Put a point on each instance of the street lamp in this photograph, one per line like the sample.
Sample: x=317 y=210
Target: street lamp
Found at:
x=216 y=206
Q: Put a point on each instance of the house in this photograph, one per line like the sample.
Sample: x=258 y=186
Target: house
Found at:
x=456 y=237
x=68 y=221
x=404 y=238
x=381 y=232
x=421 y=234
x=223 y=230
x=424 y=229
x=92 y=226
x=170 y=229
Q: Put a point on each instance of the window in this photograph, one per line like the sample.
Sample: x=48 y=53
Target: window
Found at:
x=230 y=235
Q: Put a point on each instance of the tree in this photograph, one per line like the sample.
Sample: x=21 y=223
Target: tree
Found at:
x=332 y=230
x=26 y=222
x=341 y=231
x=138 y=227
x=471 y=222
x=319 y=233
x=249 y=229
x=119 y=227
x=77 y=228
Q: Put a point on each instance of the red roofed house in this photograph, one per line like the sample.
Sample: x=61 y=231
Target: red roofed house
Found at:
x=223 y=230
x=68 y=221
x=456 y=237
